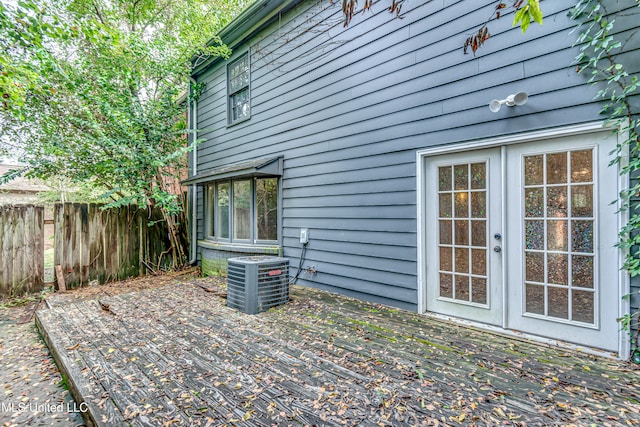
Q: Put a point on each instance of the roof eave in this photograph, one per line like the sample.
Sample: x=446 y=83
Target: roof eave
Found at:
x=253 y=19
x=271 y=166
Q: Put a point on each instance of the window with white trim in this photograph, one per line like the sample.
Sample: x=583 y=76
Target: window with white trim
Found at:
x=238 y=90
x=243 y=210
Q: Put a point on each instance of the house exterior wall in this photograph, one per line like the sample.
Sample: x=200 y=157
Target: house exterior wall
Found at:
x=349 y=107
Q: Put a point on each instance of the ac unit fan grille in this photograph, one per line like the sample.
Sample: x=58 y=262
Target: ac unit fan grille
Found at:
x=273 y=286
x=256 y=284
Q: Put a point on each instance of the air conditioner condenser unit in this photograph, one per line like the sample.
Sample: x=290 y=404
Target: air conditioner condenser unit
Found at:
x=257 y=283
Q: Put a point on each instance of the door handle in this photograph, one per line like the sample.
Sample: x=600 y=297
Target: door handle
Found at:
x=497 y=249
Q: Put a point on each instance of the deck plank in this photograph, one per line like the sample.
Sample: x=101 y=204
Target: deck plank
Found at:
x=140 y=396
x=178 y=356
x=86 y=387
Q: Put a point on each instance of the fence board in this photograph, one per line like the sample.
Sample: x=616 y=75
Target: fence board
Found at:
x=121 y=220
x=58 y=238
x=134 y=255
x=38 y=240
x=18 y=251
x=96 y=243
x=106 y=245
x=77 y=244
x=85 y=244
x=67 y=243
x=114 y=257
x=21 y=250
x=28 y=244
x=4 y=257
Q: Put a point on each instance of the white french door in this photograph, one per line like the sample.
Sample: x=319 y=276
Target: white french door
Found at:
x=523 y=237
x=563 y=274
x=463 y=235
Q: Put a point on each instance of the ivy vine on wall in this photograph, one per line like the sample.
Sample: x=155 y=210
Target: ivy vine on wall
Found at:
x=600 y=58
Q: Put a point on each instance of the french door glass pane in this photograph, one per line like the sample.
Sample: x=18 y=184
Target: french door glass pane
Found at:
x=446 y=285
x=267 y=208
x=241 y=209
x=461 y=289
x=461 y=205
x=582 y=201
x=446 y=258
x=445 y=232
x=559 y=235
x=222 y=210
x=557 y=202
x=461 y=231
x=582 y=305
x=582 y=270
x=445 y=205
x=479 y=233
x=462 y=198
x=581 y=166
x=534 y=267
x=444 y=179
x=556 y=166
x=534 y=299
x=478 y=176
x=533 y=170
x=534 y=202
x=479 y=290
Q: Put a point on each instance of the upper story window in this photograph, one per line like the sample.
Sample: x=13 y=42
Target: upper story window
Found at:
x=238 y=89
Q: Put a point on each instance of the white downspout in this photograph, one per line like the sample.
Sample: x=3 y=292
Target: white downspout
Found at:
x=193 y=126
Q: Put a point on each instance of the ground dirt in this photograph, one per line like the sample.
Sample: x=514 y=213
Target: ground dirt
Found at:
x=123 y=287
x=32 y=392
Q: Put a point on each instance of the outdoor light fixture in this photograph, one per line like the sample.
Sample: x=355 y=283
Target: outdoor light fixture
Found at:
x=519 y=98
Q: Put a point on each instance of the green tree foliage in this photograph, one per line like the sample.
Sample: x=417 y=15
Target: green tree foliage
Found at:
x=91 y=90
x=24 y=31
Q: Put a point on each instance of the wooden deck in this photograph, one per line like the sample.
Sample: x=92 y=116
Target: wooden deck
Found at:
x=178 y=356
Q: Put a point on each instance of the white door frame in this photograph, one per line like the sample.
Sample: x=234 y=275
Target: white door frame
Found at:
x=586 y=128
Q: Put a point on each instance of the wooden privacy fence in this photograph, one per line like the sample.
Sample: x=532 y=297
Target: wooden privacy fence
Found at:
x=90 y=244
x=104 y=245
x=21 y=249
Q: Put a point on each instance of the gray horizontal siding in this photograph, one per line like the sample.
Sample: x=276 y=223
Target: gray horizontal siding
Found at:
x=349 y=107
x=357 y=175
x=376 y=225
x=365 y=200
x=382 y=251
x=386 y=47
x=385 y=277
x=392 y=239
x=380 y=187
